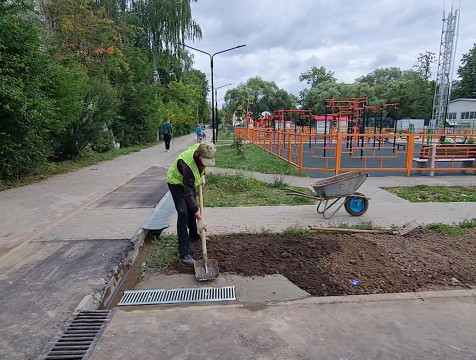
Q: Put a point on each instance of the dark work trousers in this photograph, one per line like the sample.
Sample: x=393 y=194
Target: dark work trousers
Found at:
x=186 y=219
x=167 y=139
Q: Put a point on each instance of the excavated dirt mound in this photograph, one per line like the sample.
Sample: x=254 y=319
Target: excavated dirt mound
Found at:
x=326 y=263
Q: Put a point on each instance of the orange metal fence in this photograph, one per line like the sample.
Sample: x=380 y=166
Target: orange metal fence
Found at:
x=386 y=152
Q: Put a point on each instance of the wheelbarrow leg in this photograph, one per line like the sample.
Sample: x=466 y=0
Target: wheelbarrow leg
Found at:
x=326 y=207
x=324 y=214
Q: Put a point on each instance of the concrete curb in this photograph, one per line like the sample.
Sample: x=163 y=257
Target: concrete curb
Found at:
x=160 y=217
x=101 y=298
x=348 y=299
x=122 y=270
x=104 y=297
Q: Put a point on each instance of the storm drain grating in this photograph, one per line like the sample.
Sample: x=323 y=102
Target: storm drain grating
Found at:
x=79 y=335
x=175 y=296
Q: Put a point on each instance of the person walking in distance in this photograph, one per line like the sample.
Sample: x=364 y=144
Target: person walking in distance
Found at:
x=183 y=178
x=167 y=133
x=198 y=133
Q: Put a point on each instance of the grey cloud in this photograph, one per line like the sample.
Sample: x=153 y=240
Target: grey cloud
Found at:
x=383 y=59
x=350 y=37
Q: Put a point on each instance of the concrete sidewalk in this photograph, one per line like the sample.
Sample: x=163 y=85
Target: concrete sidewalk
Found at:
x=431 y=326
x=63 y=239
x=387 y=181
x=279 y=218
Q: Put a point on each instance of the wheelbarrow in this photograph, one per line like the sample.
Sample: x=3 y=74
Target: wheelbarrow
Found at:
x=330 y=190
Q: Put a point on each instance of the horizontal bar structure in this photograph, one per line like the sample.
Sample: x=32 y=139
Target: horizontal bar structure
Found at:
x=351 y=151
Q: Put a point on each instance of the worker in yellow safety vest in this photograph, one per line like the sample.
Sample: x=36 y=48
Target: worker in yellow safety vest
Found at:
x=183 y=178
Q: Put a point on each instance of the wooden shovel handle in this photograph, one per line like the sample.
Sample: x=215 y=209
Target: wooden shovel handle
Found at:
x=202 y=235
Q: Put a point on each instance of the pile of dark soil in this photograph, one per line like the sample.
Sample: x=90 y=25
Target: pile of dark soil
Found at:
x=327 y=263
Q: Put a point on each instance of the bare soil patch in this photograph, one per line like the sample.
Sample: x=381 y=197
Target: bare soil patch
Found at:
x=326 y=263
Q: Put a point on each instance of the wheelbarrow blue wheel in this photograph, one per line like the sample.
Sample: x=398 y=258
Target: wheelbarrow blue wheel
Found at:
x=356 y=206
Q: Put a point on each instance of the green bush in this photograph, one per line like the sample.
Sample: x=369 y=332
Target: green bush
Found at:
x=26 y=109
x=104 y=143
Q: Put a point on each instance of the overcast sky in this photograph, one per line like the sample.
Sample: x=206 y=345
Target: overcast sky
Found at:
x=350 y=37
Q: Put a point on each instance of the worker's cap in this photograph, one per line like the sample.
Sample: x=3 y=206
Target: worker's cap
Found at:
x=207 y=153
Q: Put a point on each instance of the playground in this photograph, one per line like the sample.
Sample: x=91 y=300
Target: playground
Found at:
x=352 y=135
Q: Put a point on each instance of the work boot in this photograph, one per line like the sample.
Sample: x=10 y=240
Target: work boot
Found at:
x=187 y=260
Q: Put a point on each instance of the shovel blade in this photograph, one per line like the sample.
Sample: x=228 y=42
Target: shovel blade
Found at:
x=209 y=272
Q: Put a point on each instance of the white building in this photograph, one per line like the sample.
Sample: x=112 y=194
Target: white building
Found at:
x=462 y=112
x=417 y=125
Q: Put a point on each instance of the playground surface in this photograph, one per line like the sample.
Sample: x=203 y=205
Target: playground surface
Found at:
x=369 y=158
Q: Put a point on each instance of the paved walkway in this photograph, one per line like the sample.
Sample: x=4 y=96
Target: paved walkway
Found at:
x=31 y=211
x=388 y=181
x=394 y=326
x=279 y=218
x=63 y=238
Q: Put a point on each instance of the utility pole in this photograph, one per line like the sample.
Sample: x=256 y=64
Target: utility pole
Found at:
x=216 y=106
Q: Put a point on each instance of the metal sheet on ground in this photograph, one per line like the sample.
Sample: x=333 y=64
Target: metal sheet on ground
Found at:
x=162 y=214
x=144 y=190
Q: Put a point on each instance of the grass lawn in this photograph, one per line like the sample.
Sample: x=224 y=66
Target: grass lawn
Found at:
x=161 y=253
x=254 y=159
x=457 y=230
x=425 y=193
x=55 y=168
x=242 y=190
x=225 y=136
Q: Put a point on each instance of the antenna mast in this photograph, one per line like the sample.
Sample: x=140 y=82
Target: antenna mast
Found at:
x=444 y=75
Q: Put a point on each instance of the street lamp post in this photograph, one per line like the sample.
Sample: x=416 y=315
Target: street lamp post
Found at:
x=211 y=67
x=216 y=106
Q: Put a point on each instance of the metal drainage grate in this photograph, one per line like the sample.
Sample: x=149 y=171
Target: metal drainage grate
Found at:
x=174 y=296
x=79 y=335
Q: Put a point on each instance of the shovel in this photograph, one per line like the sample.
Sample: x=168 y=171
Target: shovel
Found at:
x=206 y=269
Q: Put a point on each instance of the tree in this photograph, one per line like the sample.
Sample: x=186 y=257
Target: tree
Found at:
x=27 y=110
x=423 y=64
x=385 y=85
x=316 y=75
x=314 y=99
x=467 y=72
x=257 y=95
x=80 y=72
x=408 y=87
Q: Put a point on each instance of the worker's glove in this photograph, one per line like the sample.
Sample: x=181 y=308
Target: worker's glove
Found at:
x=201 y=226
x=203 y=180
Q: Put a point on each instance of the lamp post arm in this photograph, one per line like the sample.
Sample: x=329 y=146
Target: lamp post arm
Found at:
x=233 y=48
x=191 y=47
